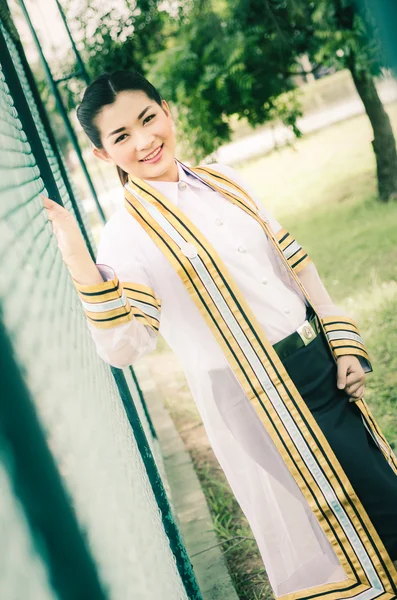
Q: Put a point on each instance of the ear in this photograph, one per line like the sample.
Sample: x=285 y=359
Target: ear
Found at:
x=102 y=154
x=166 y=108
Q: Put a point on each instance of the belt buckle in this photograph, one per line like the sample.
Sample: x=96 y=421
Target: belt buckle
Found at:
x=307 y=332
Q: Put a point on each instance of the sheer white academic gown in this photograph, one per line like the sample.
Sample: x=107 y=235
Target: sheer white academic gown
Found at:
x=296 y=553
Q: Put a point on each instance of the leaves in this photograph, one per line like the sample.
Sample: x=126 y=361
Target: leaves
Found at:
x=214 y=60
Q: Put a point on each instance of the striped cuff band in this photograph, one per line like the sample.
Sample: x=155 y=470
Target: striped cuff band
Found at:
x=112 y=303
x=105 y=304
x=292 y=250
x=344 y=338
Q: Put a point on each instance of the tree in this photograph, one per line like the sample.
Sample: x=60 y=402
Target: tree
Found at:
x=124 y=36
x=237 y=58
x=347 y=36
x=217 y=59
x=228 y=59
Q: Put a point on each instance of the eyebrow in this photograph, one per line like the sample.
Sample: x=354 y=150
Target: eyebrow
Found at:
x=123 y=128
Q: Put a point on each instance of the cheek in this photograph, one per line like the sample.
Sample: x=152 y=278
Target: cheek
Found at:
x=164 y=129
x=121 y=151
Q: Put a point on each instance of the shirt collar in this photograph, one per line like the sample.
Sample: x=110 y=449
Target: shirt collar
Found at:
x=170 y=188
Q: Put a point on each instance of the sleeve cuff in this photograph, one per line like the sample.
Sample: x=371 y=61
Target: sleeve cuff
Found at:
x=293 y=252
x=105 y=304
x=344 y=338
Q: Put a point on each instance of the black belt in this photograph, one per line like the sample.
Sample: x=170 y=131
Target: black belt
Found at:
x=305 y=334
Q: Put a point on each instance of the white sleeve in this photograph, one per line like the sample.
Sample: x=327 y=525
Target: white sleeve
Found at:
x=318 y=293
x=123 y=312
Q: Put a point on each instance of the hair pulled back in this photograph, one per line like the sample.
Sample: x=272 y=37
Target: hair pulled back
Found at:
x=103 y=91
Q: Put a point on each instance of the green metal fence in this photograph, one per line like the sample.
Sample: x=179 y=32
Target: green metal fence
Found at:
x=83 y=509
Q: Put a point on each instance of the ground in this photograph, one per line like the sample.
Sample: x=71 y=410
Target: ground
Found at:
x=323 y=190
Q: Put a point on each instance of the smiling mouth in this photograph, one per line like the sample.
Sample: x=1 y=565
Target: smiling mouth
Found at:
x=153 y=155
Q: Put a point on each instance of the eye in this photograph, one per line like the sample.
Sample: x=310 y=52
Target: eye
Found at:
x=149 y=117
x=119 y=138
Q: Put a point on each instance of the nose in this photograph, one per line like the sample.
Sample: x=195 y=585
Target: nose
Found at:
x=143 y=142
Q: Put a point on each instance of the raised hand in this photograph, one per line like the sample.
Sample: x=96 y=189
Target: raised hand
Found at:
x=71 y=244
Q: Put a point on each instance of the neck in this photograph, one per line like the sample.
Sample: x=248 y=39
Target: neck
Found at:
x=171 y=174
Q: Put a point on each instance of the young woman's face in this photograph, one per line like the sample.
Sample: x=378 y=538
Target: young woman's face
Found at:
x=137 y=135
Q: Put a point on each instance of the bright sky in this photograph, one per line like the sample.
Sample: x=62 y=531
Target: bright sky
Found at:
x=49 y=26
x=47 y=23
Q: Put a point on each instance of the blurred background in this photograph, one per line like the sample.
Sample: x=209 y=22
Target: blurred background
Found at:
x=301 y=98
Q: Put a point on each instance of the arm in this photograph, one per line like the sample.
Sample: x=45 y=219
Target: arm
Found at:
x=122 y=317
x=122 y=310
x=342 y=332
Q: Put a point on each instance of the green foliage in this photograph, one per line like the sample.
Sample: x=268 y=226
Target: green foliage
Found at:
x=231 y=59
x=342 y=29
x=214 y=60
x=123 y=37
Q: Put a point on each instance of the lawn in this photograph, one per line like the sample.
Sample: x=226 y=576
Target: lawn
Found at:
x=323 y=190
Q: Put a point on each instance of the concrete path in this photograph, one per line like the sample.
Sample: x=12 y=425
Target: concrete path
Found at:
x=265 y=140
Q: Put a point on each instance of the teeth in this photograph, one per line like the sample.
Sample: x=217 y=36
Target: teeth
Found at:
x=153 y=154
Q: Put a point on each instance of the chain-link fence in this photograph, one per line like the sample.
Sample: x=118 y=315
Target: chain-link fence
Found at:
x=81 y=498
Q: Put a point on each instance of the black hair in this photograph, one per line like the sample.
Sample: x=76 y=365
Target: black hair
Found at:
x=102 y=91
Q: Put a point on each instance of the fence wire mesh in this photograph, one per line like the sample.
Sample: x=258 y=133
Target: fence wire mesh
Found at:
x=74 y=392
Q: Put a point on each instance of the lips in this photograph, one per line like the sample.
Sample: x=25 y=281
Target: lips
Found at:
x=153 y=154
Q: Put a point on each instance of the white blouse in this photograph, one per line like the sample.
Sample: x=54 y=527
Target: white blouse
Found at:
x=127 y=251
x=294 y=548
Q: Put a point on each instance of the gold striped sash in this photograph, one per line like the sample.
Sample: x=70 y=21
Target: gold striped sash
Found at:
x=271 y=392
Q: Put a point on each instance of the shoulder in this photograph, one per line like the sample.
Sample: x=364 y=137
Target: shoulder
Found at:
x=232 y=174
x=237 y=178
x=224 y=169
x=246 y=185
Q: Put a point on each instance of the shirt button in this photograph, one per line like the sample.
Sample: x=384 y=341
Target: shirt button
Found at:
x=287 y=311
x=189 y=250
x=182 y=185
x=264 y=280
x=242 y=249
x=218 y=221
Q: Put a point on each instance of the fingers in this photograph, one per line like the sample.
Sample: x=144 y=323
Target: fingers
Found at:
x=354 y=377
x=358 y=394
x=354 y=382
x=51 y=206
x=341 y=378
x=48 y=203
x=351 y=377
x=351 y=389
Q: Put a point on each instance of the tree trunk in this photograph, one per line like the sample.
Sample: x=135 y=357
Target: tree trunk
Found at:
x=384 y=144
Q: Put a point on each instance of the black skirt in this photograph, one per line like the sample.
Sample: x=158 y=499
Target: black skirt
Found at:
x=314 y=373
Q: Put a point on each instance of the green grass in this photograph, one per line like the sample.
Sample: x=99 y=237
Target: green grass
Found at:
x=239 y=546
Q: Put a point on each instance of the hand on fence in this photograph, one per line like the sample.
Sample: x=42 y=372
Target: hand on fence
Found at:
x=71 y=243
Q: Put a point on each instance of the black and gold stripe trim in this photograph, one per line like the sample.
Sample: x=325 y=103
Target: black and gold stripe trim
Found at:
x=344 y=338
x=248 y=377
x=293 y=252
x=145 y=304
x=110 y=304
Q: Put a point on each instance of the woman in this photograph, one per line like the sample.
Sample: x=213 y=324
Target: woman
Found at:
x=276 y=369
